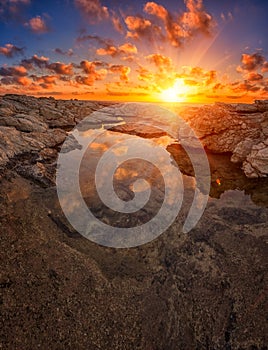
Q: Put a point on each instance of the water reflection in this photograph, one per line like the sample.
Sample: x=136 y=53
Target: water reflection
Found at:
x=117 y=178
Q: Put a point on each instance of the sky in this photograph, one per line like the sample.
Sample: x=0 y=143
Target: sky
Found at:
x=174 y=51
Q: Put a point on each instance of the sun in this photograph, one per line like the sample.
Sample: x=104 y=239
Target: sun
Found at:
x=176 y=93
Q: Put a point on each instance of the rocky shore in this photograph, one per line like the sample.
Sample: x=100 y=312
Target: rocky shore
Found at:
x=240 y=129
x=32 y=130
x=202 y=290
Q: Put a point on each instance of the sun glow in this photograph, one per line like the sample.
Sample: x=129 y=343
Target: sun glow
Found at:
x=177 y=93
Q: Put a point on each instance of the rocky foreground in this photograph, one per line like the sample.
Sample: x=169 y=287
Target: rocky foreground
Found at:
x=240 y=129
x=202 y=290
x=39 y=126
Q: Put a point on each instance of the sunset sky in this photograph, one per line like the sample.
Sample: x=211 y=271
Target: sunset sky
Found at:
x=184 y=51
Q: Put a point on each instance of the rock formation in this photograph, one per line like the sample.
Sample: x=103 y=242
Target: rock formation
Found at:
x=32 y=130
x=240 y=129
x=31 y=125
x=203 y=290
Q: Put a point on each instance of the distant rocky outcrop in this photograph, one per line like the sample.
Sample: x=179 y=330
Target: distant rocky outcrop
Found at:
x=32 y=130
x=38 y=126
x=241 y=129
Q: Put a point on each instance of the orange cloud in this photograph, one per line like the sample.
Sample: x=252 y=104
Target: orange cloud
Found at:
x=251 y=62
x=144 y=74
x=210 y=77
x=110 y=50
x=92 y=74
x=175 y=33
x=46 y=79
x=19 y=71
x=246 y=86
x=61 y=68
x=40 y=62
x=19 y=80
x=252 y=76
x=117 y=23
x=162 y=62
x=23 y=81
x=128 y=48
x=197 y=19
x=113 y=51
x=122 y=70
x=265 y=67
x=92 y=10
x=89 y=67
x=137 y=23
x=91 y=78
x=181 y=27
x=37 y=25
x=139 y=27
x=10 y=50
x=157 y=10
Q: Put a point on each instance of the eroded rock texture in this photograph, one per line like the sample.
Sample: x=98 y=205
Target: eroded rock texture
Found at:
x=239 y=128
x=203 y=290
x=32 y=131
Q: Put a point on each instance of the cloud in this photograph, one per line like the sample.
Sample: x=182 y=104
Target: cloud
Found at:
x=12 y=9
x=174 y=31
x=113 y=51
x=265 y=67
x=68 y=53
x=16 y=80
x=37 y=25
x=48 y=79
x=252 y=76
x=10 y=50
x=90 y=79
x=128 y=48
x=138 y=24
x=139 y=27
x=211 y=77
x=179 y=28
x=122 y=70
x=61 y=68
x=40 y=62
x=45 y=81
x=197 y=19
x=244 y=87
x=14 y=75
x=109 y=50
x=93 y=75
x=117 y=24
x=251 y=62
x=18 y=71
x=162 y=62
x=92 y=10
x=157 y=10
x=144 y=74
x=101 y=41
x=43 y=63
x=88 y=67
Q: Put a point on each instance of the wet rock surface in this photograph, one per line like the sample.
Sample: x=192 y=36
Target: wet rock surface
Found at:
x=206 y=289
x=203 y=290
x=237 y=128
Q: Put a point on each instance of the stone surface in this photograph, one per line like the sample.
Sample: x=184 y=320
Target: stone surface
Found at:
x=203 y=290
x=236 y=129
x=31 y=126
x=256 y=163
